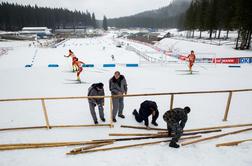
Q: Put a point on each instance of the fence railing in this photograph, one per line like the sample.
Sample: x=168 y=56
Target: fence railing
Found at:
x=171 y=94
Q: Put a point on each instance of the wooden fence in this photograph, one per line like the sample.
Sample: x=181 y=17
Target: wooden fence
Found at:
x=172 y=96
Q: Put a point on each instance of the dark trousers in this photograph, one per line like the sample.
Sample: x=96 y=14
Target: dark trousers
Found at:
x=92 y=111
x=139 y=118
x=176 y=129
x=118 y=105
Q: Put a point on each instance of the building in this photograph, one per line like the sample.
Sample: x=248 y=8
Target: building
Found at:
x=41 y=32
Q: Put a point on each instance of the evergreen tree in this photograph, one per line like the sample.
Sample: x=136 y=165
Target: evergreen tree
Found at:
x=105 y=23
x=14 y=17
x=94 y=21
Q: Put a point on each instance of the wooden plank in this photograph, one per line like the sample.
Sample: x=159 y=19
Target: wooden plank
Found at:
x=23 y=128
x=79 y=150
x=144 y=128
x=131 y=95
x=133 y=134
x=73 y=126
x=189 y=130
x=54 y=143
x=133 y=138
x=54 y=126
x=132 y=145
x=163 y=133
x=216 y=136
x=46 y=145
x=137 y=138
x=227 y=106
x=233 y=143
x=45 y=114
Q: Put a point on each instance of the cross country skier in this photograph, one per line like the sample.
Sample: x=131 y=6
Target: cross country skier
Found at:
x=74 y=58
x=113 y=57
x=78 y=64
x=191 y=58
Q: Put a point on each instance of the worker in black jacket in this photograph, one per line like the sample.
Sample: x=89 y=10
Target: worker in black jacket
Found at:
x=147 y=108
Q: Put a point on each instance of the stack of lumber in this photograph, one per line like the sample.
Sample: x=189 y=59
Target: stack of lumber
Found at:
x=97 y=145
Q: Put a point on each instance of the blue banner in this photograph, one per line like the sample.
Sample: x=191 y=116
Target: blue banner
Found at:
x=245 y=60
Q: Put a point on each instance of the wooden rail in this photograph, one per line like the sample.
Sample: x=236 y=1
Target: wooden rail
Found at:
x=172 y=94
x=128 y=95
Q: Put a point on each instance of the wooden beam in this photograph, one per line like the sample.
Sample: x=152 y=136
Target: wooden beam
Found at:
x=135 y=138
x=74 y=126
x=233 y=143
x=132 y=145
x=54 y=143
x=131 y=95
x=45 y=114
x=79 y=150
x=144 y=128
x=133 y=134
x=46 y=145
x=23 y=128
x=227 y=106
x=216 y=136
x=163 y=133
x=189 y=130
x=54 y=126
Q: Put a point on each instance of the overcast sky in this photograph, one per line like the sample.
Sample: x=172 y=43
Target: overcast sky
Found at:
x=110 y=8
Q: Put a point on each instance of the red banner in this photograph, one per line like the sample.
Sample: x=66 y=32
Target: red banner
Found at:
x=226 y=60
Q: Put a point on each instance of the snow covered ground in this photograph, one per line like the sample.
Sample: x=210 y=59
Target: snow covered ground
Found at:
x=40 y=81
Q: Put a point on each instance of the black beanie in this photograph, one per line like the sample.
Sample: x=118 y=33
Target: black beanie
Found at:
x=99 y=85
x=187 y=109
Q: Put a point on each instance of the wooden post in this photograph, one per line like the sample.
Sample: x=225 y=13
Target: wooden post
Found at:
x=171 y=102
x=45 y=113
x=227 y=106
x=111 y=112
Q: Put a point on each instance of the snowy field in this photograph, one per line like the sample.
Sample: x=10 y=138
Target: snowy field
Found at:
x=202 y=50
x=40 y=81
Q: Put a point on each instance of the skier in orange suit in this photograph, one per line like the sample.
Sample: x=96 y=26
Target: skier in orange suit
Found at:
x=74 y=58
x=79 y=68
x=191 y=59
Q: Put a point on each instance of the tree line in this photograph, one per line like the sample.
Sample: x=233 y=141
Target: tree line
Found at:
x=14 y=17
x=217 y=15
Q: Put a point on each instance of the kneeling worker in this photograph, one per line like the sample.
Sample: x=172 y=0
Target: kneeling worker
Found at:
x=96 y=90
x=147 y=108
x=176 y=120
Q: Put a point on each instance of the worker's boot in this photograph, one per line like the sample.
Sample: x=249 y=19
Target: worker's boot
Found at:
x=173 y=144
x=154 y=123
